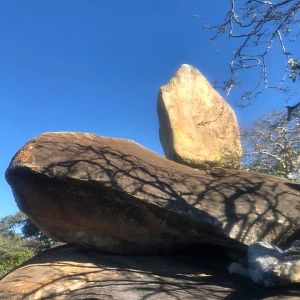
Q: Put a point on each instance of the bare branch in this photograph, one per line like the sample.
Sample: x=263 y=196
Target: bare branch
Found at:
x=258 y=25
x=272 y=146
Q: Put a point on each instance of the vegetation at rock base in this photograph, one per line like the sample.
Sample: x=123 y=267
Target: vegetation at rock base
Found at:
x=20 y=239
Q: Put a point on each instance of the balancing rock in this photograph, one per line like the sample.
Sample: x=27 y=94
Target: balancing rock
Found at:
x=197 y=126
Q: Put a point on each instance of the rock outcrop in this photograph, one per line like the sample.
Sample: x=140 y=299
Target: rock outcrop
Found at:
x=114 y=195
x=272 y=266
x=74 y=273
x=197 y=127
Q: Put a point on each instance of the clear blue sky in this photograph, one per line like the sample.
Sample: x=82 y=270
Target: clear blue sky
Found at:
x=96 y=66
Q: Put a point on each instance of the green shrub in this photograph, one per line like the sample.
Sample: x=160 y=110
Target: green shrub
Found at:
x=13 y=252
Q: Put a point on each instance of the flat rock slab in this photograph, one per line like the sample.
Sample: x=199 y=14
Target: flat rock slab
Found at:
x=119 y=197
x=74 y=273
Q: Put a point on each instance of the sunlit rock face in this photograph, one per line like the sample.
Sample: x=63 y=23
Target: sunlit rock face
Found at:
x=197 y=126
x=114 y=195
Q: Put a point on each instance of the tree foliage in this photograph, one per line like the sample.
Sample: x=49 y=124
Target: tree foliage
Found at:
x=13 y=252
x=19 y=222
x=20 y=239
x=259 y=26
x=272 y=146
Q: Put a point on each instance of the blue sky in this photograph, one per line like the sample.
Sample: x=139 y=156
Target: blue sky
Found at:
x=97 y=65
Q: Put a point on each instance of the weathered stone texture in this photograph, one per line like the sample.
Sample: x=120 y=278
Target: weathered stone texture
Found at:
x=197 y=126
x=73 y=273
x=116 y=196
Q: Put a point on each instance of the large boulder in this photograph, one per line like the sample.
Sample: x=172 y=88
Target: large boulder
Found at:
x=74 y=273
x=114 y=195
x=197 y=126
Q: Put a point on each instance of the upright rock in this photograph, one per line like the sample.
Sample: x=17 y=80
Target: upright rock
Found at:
x=197 y=127
x=114 y=195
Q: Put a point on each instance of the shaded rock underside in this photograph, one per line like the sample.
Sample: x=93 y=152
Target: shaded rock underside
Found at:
x=93 y=190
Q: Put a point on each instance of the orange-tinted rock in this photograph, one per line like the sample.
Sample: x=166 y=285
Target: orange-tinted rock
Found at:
x=197 y=126
x=117 y=196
